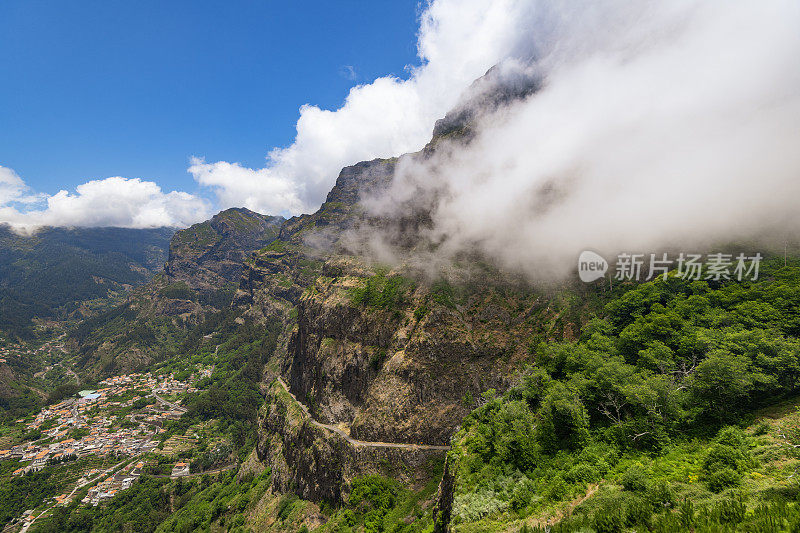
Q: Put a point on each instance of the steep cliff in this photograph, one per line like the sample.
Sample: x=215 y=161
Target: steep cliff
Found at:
x=392 y=355
x=319 y=463
x=385 y=355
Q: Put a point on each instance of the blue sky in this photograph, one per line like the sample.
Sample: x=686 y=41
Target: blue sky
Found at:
x=134 y=89
x=143 y=114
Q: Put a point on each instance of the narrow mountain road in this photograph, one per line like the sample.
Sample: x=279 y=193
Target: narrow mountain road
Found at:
x=74 y=375
x=214 y=471
x=353 y=441
x=170 y=404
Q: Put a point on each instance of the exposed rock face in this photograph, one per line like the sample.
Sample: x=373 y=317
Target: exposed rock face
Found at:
x=404 y=365
x=318 y=464
x=210 y=254
x=497 y=88
x=385 y=356
x=410 y=373
x=443 y=506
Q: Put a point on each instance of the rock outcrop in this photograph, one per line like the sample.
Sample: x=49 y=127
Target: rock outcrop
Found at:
x=319 y=464
x=211 y=254
x=384 y=355
x=202 y=272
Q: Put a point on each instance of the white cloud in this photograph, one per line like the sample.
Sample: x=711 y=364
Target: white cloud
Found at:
x=459 y=40
x=13 y=189
x=122 y=202
x=672 y=124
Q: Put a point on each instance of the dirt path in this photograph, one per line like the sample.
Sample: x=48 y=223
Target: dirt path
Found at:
x=563 y=512
x=353 y=441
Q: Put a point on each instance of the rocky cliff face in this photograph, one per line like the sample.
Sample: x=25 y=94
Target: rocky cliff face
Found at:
x=208 y=255
x=497 y=88
x=384 y=355
x=443 y=504
x=408 y=372
x=318 y=464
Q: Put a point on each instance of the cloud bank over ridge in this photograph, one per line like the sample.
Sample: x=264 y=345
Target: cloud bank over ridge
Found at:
x=655 y=122
x=670 y=125
x=121 y=202
x=459 y=40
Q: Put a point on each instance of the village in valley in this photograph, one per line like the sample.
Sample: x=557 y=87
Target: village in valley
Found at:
x=119 y=427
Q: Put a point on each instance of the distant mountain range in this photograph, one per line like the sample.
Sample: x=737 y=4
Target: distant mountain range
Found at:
x=52 y=273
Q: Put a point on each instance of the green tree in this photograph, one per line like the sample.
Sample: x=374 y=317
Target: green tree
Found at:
x=563 y=421
x=722 y=382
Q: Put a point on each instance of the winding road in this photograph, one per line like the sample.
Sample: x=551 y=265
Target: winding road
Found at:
x=213 y=471
x=170 y=404
x=353 y=441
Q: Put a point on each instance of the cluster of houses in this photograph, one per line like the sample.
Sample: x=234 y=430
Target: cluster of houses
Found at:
x=123 y=479
x=157 y=384
x=121 y=442
x=89 y=414
x=8 y=352
x=109 y=487
x=92 y=424
x=18 y=350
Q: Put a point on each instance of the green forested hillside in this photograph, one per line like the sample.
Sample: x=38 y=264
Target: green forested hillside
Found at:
x=199 y=279
x=652 y=413
x=51 y=272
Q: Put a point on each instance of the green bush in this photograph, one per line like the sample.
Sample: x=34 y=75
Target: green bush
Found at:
x=635 y=478
x=475 y=505
x=638 y=512
x=609 y=519
x=381 y=292
x=522 y=494
x=564 y=423
x=761 y=429
x=557 y=488
x=178 y=291
x=285 y=506
x=582 y=473
x=443 y=294
x=722 y=479
x=727 y=460
x=377 y=358
x=660 y=495
x=730 y=511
